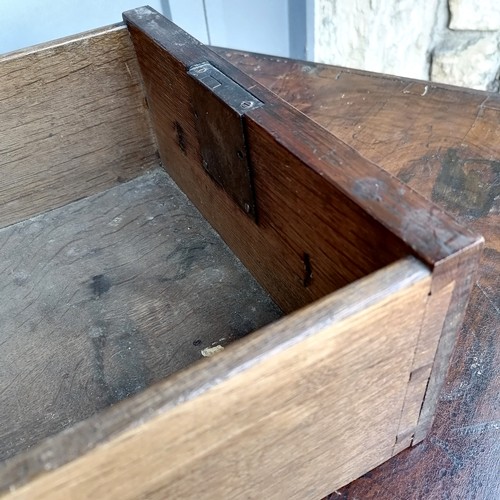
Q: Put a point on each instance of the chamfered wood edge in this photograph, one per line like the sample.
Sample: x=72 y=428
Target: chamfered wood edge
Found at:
x=460 y=269
x=190 y=383
x=425 y=228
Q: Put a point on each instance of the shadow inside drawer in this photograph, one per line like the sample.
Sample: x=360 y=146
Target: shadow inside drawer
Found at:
x=104 y=296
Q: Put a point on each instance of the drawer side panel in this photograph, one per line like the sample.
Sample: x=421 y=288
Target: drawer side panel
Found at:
x=73 y=122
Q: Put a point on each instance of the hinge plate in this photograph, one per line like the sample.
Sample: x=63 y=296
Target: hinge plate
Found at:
x=219 y=104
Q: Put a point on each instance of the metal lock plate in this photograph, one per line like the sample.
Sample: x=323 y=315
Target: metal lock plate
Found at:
x=219 y=105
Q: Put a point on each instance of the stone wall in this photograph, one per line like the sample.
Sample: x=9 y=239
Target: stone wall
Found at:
x=447 y=41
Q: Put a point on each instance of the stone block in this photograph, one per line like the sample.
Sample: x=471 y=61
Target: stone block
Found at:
x=388 y=36
x=481 y=15
x=473 y=62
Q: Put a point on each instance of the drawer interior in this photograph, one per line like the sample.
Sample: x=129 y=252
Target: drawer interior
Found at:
x=107 y=295
x=130 y=263
x=123 y=285
x=112 y=279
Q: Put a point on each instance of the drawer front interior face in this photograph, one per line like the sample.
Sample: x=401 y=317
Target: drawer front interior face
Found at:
x=275 y=410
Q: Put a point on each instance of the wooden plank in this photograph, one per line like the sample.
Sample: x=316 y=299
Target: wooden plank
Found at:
x=315 y=196
x=341 y=191
x=278 y=403
x=74 y=122
x=445 y=145
x=106 y=296
x=305 y=194
x=301 y=217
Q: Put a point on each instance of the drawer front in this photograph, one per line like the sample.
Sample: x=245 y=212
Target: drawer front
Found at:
x=292 y=411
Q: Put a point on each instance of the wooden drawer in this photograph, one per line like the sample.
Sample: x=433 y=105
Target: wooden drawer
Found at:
x=129 y=366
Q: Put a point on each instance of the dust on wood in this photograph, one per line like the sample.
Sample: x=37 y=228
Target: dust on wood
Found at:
x=107 y=295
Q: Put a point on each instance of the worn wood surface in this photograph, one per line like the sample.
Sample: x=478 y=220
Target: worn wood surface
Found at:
x=300 y=153
x=310 y=238
x=304 y=272
x=73 y=122
x=105 y=296
x=445 y=143
x=235 y=426
x=321 y=206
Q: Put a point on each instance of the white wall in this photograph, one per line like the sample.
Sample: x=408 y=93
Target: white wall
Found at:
x=446 y=41
x=389 y=36
x=255 y=25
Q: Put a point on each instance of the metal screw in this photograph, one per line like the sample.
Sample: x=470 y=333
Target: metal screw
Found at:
x=201 y=70
x=247 y=208
x=239 y=154
x=246 y=104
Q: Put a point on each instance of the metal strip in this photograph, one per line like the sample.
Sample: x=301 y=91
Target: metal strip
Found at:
x=219 y=105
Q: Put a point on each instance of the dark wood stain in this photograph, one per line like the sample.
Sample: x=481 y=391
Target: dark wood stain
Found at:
x=100 y=284
x=181 y=138
x=467 y=186
x=388 y=121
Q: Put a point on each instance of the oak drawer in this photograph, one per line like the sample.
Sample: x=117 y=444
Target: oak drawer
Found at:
x=276 y=333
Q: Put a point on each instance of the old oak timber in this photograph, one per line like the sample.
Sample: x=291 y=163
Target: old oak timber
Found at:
x=279 y=135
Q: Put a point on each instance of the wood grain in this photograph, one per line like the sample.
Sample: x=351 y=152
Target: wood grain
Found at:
x=311 y=169
x=444 y=144
x=201 y=438
x=315 y=197
x=101 y=429
x=329 y=176
x=104 y=297
x=299 y=213
x=74 y=122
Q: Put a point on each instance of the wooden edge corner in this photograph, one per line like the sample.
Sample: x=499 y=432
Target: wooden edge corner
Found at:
x=459 y=273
